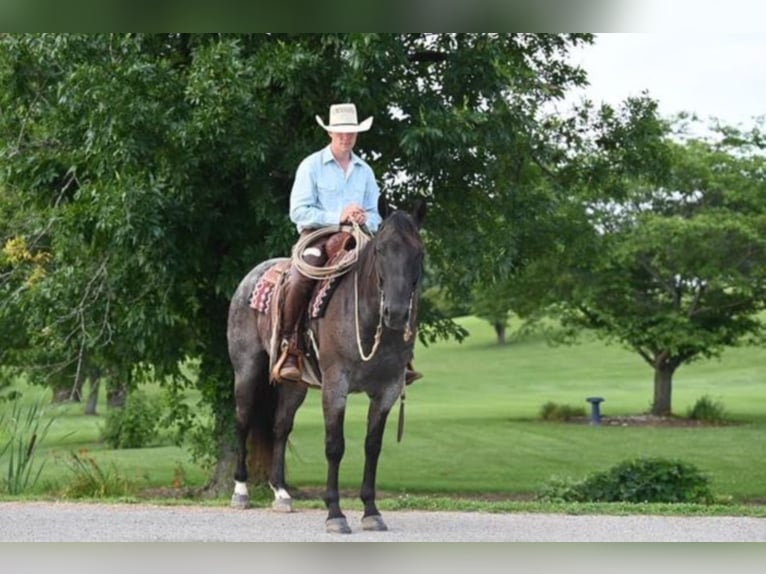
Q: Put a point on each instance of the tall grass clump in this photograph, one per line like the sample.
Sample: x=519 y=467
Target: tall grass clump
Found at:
x=708 y=410
x=551 y=411
x=22 y=429
x=91 y=480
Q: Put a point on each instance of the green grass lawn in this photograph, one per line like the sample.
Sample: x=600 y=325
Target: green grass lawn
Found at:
x=473 y=428
x=472 y=424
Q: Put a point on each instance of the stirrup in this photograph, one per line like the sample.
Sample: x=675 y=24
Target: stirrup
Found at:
x=282 y=372
x=410 y=374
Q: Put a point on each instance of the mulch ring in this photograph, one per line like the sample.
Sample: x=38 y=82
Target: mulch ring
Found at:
x=647 y=420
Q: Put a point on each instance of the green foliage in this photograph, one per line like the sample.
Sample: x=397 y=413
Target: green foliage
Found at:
x=22 y=430
x=708 y=410
x=89 y=480
x=133 y=426
x=7 y=393
x=638 y=480
x=664 y=247
x=441 y=303
x=201 y=442
x=551 y=411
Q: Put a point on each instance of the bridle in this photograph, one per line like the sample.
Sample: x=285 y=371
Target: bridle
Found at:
x=379 y=328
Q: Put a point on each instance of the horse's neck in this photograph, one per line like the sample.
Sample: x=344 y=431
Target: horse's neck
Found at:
x=366 y=286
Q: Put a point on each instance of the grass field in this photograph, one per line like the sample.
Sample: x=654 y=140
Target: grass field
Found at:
x=473 y=428
x=472 y=423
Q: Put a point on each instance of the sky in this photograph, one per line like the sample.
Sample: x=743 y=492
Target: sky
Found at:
x=713 y=73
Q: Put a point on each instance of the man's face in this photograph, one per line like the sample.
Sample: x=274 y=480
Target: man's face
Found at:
x=342 y=143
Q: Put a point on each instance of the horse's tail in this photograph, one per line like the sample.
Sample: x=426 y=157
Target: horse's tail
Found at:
x=261 y=438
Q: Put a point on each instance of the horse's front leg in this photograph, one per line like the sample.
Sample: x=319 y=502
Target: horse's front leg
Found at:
x=334 y=408
x=377 y=415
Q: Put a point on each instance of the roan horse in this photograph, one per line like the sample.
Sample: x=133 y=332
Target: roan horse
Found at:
x=364 y=340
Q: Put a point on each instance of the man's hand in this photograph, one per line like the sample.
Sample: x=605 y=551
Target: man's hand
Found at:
x=353 y=214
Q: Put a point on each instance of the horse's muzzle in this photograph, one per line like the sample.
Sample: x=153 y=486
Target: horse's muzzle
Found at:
x=396 y=317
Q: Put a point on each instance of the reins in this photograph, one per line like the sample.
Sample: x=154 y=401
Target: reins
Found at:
x=378 y=329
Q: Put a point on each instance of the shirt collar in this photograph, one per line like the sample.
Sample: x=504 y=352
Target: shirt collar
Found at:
x=327 y=156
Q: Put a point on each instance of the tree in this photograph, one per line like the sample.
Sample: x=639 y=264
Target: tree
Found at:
x=670 y=257
x=493 y=304
x=155 y=170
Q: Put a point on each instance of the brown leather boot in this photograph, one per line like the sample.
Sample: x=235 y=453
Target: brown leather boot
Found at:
x=289 y=366
x=411 y=375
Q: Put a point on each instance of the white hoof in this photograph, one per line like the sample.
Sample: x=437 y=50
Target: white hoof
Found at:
x=283 y=502
x=282 y=505
x=240 y=501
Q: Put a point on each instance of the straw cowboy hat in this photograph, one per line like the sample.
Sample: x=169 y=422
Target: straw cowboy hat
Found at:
x=343 y=120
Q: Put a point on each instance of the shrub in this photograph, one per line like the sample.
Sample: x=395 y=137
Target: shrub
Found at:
x=560 y=489
x=637 y=480
x=551 y=411
x=706 y=409
x=133 y=426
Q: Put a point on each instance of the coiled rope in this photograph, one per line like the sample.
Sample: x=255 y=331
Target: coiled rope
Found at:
x=361 y=236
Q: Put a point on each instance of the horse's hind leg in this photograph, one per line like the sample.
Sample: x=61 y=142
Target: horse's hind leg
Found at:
x=241 y=497
x=291 y=397
x=377 y=415
x=248 y=375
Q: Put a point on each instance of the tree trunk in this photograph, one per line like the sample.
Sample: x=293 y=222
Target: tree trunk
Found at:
x=500 y=332
x=90 y=406
x=663 y=387
x=221 y=482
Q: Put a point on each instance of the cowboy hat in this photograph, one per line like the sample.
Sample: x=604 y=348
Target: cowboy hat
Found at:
x=343 y=120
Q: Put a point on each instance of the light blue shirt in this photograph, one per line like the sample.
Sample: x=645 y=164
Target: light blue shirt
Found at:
x=321 y=190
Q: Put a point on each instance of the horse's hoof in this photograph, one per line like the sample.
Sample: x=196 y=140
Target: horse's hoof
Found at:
x=282 y=505
x=337 y=526
x=373 y=522
x=240 y=501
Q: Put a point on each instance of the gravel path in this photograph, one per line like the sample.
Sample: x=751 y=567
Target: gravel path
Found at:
x=69 y=522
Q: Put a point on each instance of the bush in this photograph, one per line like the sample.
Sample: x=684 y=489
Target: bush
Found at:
x=706 y=409
x=637 y=480
x=133 y=426
x=551 y=411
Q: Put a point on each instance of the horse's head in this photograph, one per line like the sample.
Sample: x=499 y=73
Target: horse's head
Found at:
x=399 y=255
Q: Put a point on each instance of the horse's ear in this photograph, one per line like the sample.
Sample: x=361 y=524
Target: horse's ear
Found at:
x=384 y=209
x=419 y=211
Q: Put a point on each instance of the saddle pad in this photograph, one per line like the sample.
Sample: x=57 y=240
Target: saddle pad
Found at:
x=261 y=297
x=326 y=287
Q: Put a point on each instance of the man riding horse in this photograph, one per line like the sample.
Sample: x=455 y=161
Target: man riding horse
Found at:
x=332 y=186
